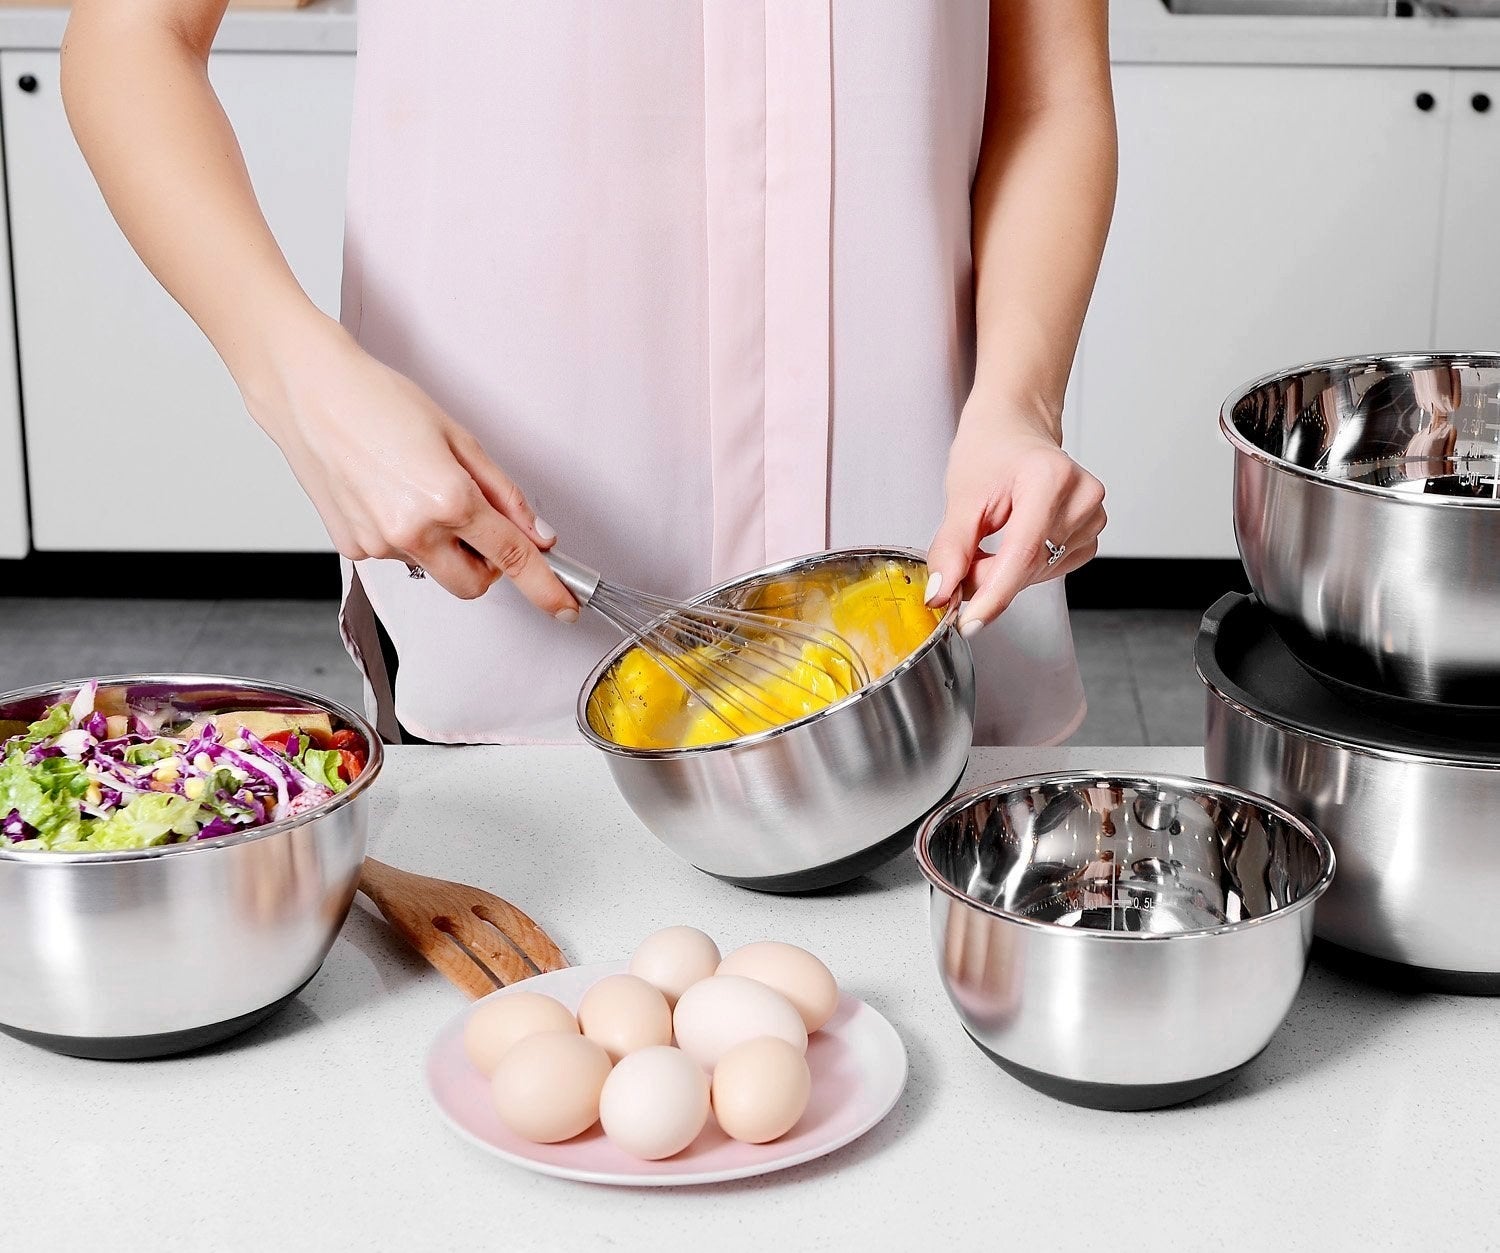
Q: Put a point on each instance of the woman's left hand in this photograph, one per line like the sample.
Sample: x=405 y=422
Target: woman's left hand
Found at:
x=1010 y=473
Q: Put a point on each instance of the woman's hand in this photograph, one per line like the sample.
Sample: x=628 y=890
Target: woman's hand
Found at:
x=393 y=476
x=1010 y=472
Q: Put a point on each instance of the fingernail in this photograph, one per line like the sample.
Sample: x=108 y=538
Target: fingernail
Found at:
x=970 y=628
x=566 y=615
x=546 y=534
x=934 y=586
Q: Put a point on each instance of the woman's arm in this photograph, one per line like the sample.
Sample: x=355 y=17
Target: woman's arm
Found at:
x=389 y=472
x=1042 y=201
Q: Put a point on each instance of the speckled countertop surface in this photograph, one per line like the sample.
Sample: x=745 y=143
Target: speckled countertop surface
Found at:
x=1369 y=1123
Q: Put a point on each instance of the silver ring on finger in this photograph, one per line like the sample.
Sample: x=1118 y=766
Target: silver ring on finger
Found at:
x=415 y=572
x=1055 y=552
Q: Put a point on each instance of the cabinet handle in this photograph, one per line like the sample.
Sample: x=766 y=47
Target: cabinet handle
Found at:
x=1425 y=101
x=1480 y=101
x=27 y=83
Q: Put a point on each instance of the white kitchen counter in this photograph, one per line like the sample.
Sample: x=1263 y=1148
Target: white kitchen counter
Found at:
x=1369 y=1123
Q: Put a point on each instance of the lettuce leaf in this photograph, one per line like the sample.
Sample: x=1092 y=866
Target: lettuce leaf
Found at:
x=321 y=765
x=46 y=795
x=148 y=819
x=54 y=722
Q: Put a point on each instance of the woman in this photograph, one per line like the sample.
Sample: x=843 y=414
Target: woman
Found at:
x=717 y=283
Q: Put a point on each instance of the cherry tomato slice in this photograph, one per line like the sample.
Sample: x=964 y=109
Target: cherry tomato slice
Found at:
x=350 y=764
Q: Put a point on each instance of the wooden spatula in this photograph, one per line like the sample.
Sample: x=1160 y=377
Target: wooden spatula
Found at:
x=473 y=939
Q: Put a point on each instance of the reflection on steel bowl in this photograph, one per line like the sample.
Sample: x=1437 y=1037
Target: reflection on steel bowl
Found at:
x=823 y=799
x=1367 y=510
x=155 y=950
x=1121 y=941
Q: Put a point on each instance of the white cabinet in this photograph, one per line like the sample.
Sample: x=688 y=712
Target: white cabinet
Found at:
x=1468 y=297
x=136 y=438
x=1266 y=216
x=14 y=531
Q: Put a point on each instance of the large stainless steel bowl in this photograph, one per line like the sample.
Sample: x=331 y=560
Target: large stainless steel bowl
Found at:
x=822 y=800
x=148 y=952
x=1121 y=941
x=1411 y=810
x=1367 y=509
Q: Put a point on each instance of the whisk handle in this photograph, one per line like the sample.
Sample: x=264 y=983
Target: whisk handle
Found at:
x=578 y=578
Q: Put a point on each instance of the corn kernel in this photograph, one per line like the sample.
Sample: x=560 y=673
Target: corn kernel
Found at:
x=193 y=789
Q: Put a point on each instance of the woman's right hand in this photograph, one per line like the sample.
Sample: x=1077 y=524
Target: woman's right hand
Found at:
x=393 y=476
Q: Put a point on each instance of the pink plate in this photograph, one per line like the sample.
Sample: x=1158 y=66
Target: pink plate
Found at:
x=858 y=1066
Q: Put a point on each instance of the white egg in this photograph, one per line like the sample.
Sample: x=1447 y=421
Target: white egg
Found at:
x=546 y=1087
x=654 y=1103
x=622 y=1014
x=503 y=1021
x=716 y=1014
x=794 y=972
x=760 y=1090
x=674 y=959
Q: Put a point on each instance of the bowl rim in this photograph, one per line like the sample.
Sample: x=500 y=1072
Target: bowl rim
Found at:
x=1190 y=783
x=222 y=843
x=1233 y=697
x=944 y=627
x=1479 y=358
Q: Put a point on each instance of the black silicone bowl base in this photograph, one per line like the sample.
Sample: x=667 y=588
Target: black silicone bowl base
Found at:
x=134 y=1048
x=1403 y=977
x=1435 y=714
x=1116 y=1097
x=846 y=869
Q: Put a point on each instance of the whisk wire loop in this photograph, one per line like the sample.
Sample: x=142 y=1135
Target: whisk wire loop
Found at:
x=750 y=667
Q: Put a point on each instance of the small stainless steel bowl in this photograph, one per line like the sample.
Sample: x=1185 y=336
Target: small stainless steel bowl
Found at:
x=155 y=951
x=821 y=800
x=1367 y=510
x=1121 y=941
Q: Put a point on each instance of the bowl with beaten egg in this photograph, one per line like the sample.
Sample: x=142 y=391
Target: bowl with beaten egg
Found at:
x=829 y=784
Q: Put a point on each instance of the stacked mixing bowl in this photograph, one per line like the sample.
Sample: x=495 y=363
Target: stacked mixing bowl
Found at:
x=1360 y=685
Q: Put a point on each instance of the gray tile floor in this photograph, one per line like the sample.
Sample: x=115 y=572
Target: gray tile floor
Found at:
x=1137 y=664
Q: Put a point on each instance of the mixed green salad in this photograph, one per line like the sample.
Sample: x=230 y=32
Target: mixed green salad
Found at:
x=78 y=780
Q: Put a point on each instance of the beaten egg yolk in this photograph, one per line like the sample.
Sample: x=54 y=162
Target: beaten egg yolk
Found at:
x=640 y=704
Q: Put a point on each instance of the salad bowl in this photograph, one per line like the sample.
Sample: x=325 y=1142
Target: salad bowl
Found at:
x=144 y=951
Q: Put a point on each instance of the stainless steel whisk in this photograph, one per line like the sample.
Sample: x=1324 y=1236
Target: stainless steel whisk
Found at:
x=735 y=661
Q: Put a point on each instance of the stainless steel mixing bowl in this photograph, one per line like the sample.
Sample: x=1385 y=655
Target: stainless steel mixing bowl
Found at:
x=1411 y=810
x=1367 y=509
x=154 y=951
x=1121 y=941
x=822 y=800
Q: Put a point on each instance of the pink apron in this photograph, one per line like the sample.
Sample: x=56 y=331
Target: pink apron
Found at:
x=698 y=276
